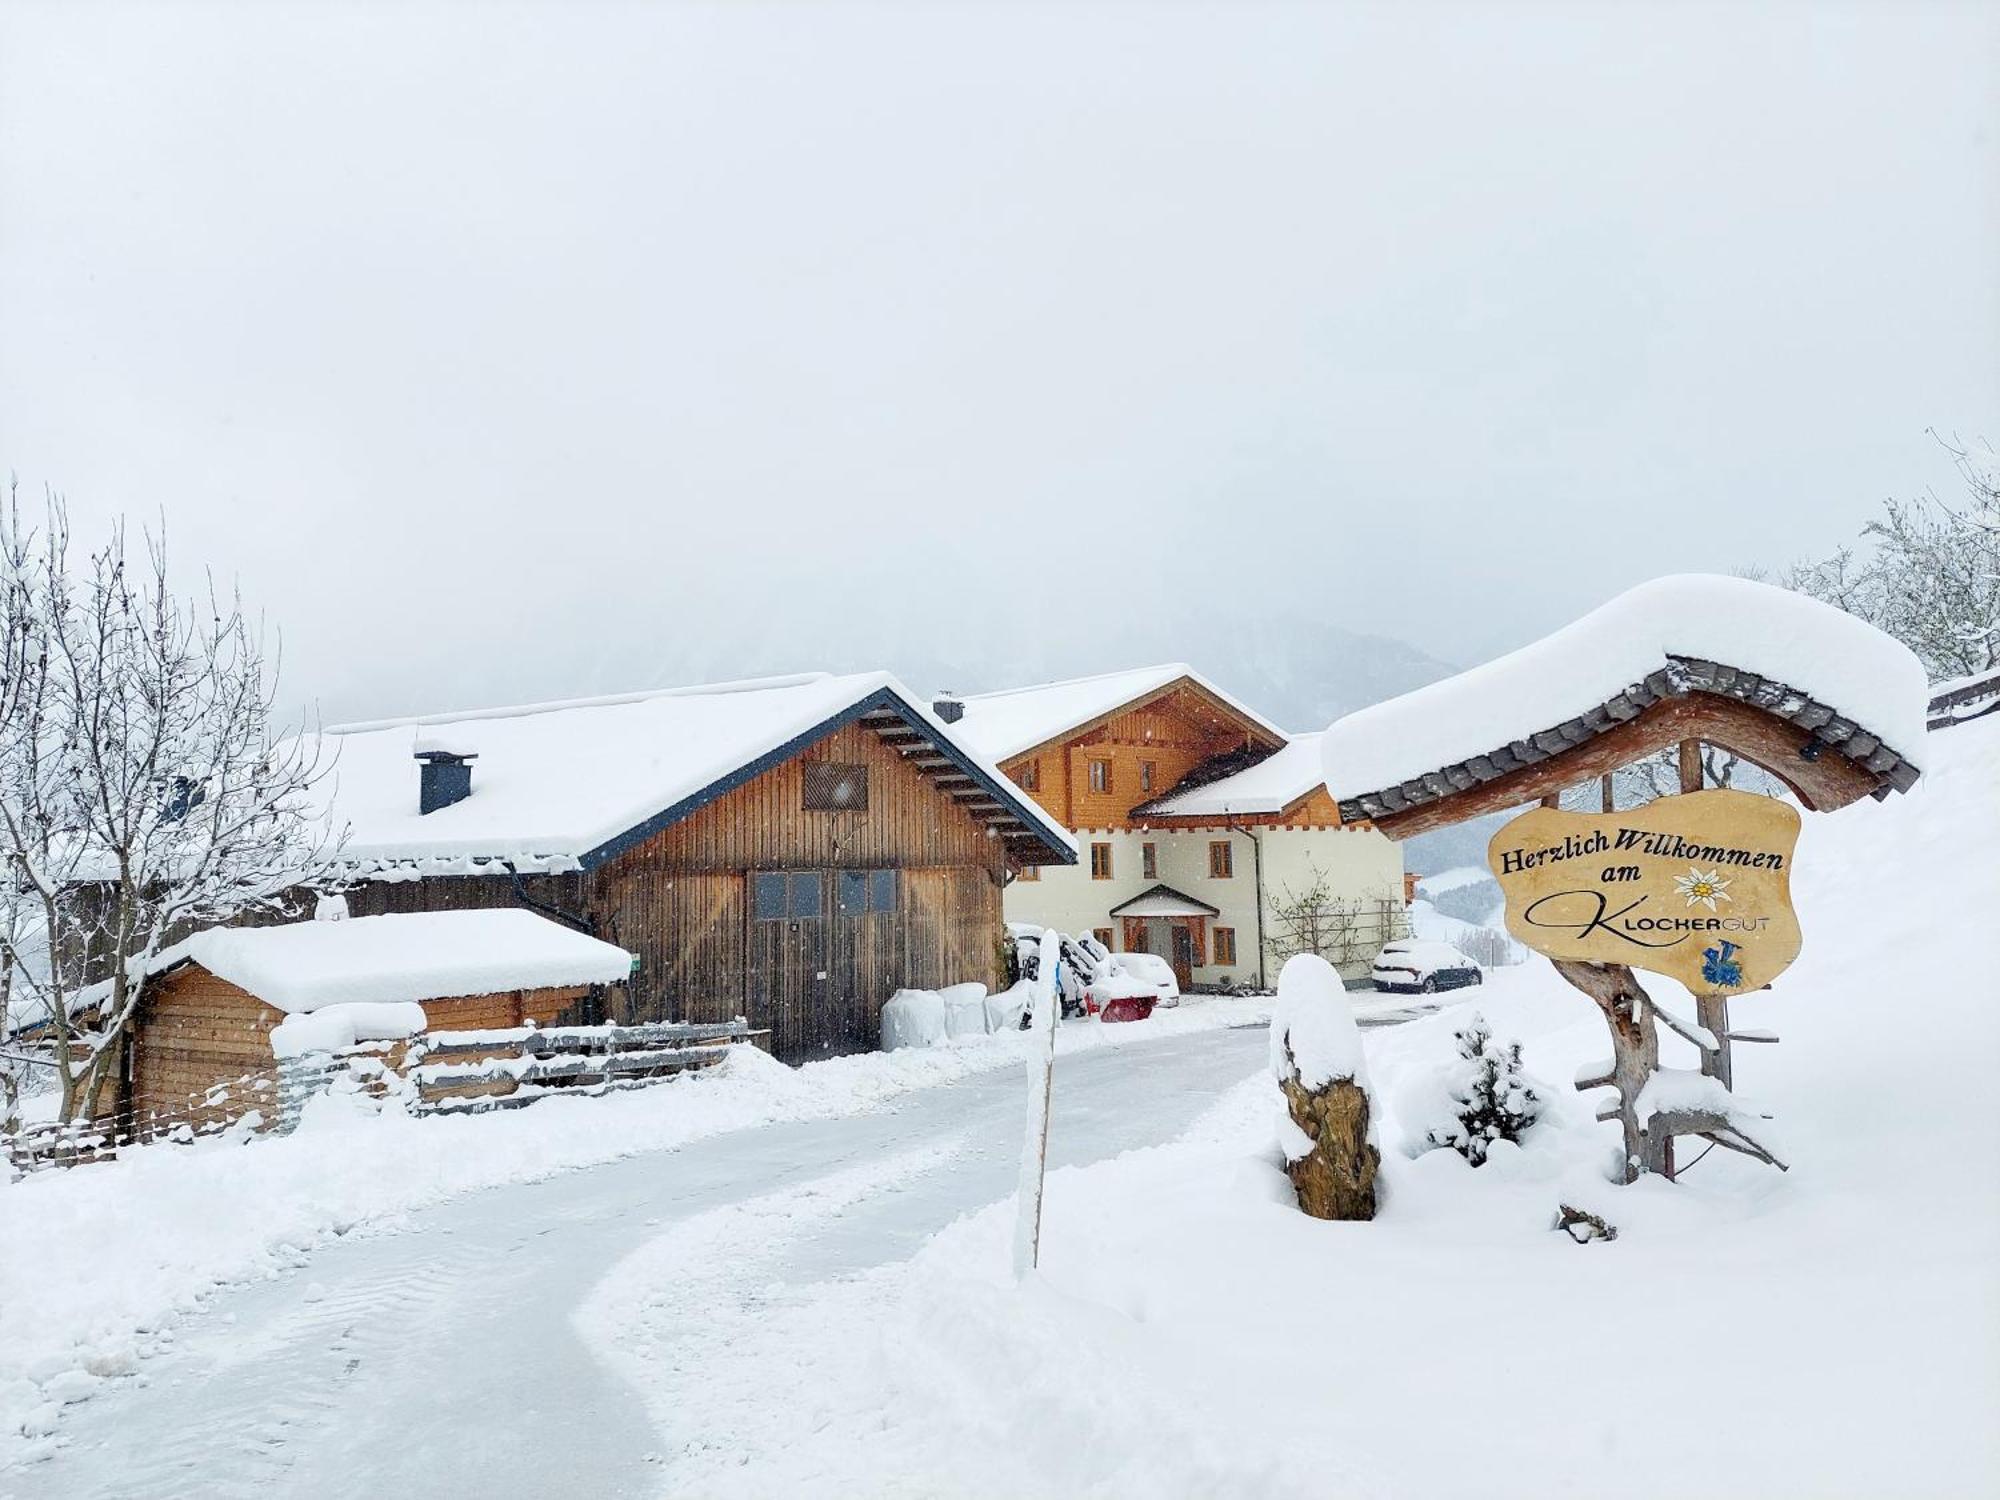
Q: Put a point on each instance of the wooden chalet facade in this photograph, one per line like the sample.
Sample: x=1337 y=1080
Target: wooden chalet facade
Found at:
x=828 y=843
x=1196 y=820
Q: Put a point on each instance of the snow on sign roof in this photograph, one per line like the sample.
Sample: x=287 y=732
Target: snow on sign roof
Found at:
x=559 y=786
x=302 y=966
x=1806 y=656
x=1003 y=724
x=1270 y=786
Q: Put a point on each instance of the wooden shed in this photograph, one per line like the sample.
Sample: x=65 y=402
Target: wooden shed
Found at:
x=202 y=1045
x=789 y=850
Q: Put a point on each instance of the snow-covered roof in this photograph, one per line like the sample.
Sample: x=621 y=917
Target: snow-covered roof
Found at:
x=559 y=786
x=1798 y=658
x=1004 y=724
x=412 y=956
x=1164 y=901
x=1270 y=786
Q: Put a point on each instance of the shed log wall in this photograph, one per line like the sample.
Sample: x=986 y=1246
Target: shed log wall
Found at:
x=196 y=1031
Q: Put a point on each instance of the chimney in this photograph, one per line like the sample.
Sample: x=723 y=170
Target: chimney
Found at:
x=445 y=775
x=948 y=708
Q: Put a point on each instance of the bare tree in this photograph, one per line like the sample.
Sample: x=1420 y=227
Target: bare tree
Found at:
x=1314 y=920
x=1931 y=574
x=141 y=794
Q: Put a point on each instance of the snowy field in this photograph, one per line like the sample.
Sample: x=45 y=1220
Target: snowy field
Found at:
x=98 y=1264
x=1830 y=1332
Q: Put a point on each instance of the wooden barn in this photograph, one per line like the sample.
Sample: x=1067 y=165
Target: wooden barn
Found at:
x=791 y=850
x=204 y=1026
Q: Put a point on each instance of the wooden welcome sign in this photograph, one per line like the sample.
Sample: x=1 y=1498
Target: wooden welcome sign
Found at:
x=1697 y=887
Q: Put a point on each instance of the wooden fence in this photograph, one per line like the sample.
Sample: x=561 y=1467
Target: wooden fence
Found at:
x=471 y=1072
x=433 y=1073
x=244 y=1105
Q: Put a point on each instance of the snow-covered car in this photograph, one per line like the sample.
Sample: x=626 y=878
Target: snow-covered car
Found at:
x=1419 y=966
x=1156 y=971
x=1114 y=994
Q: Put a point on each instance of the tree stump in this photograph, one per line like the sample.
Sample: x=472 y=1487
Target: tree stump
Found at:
x=1336 y=1178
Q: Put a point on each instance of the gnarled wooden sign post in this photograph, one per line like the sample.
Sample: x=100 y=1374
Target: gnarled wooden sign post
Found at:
x=1696 y=886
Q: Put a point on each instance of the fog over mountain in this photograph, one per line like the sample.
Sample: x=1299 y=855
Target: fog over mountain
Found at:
x=1296 y=670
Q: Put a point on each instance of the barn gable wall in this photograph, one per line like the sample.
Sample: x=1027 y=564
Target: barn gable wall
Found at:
x=681 y=901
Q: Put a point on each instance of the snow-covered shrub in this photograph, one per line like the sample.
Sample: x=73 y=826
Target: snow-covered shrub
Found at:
x=1492 y=1099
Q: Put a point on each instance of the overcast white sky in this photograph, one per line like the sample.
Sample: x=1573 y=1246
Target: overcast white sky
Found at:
x=499 y=349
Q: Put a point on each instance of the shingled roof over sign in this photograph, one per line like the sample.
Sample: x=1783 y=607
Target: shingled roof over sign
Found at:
x=565 y=786
x=1825 y=702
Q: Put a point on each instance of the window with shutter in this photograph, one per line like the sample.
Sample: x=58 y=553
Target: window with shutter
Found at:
x=835 y=786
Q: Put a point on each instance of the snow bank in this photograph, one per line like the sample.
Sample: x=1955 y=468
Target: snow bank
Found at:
x=303 y=966
x=1176 y=1341
x=1868 y=676
x=1313 y=1035
x=914 y=1018
x=336 y=1027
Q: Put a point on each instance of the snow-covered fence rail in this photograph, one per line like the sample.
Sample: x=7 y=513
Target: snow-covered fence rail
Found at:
x=470 y=1072
x=253 y=1097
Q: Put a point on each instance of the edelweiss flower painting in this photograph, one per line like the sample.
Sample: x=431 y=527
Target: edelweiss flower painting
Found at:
x=1700 y=889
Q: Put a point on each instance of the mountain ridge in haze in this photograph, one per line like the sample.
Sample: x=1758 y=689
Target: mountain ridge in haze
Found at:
x=1298 y=671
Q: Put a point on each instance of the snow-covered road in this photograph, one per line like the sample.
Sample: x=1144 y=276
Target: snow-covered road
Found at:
x=442 y=1357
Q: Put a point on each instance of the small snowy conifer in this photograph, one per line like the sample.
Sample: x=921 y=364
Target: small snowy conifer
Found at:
x=1495 y=1101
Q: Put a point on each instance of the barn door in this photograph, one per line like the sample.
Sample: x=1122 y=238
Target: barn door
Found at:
x=867 y=956
x=789 y=960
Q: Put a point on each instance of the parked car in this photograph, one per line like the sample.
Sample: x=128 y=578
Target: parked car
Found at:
x=1156 y=971
x=1420 y=966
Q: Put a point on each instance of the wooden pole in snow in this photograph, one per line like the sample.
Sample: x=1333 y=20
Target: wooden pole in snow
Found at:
x=1035 y=1142
x=1711 y=1011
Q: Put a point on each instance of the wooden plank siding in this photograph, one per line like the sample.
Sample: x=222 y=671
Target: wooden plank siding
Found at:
x=1175 y=732
x=681 y=901
x=197 y=1031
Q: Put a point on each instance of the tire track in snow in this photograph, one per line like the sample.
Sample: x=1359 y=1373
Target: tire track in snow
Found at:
x=272 y=1399
x=675 y=1299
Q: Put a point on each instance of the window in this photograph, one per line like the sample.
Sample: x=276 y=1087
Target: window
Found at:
x=1029 y=777
x=1103 y=936
x=802 y=894
x=1100 y=776
x=769 y=898
x=865 y=891
x=1100 y=861
x=835 y=786
x=882 y=890
x=1225 y=945
x=1149 y=861
x=1028 y=872
x=1221 y=860
x=779 y=894
x=1145 y=775
x=1142 y=941
x=853 y=888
